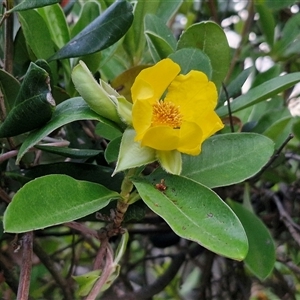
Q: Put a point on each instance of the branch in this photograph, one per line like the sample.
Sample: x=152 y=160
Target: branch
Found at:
x=26 y=266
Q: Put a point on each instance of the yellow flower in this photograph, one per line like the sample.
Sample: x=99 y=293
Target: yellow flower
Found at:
x=174 y=112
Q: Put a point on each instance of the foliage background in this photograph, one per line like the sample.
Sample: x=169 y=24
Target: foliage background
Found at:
x=264 y=44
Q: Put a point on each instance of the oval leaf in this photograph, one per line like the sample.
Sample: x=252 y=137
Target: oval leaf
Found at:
x=261 y=255
x=194 y=212
x=211 y=39
x=52 y=200
x=103 y=32
x=228 y=158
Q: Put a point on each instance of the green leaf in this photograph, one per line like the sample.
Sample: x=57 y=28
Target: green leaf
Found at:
x=36 y=33
x=228 y=159
x=86 y=282
x=57 y=25
x=103 y=32
x=261 y=255
x=10 y=87
x=71 y=110
x=108 y=131
x=194 y=212
x=29 y=4
x=267 y=22
x=69 y=152
x=112 y=150
x=34 y=104
x=134 y=41
x=167 y=9
x=160 y=38
x=280 y=130
x=192 y=59
x=211 y=39
x=132 y=154
x=53 y=200
x=262 y=92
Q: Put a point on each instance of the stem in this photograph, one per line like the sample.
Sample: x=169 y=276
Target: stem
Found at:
x=24 y=284
x=123 y=204
x=8 y=48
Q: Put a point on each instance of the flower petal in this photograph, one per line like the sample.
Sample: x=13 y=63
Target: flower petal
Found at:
x=153 y=81
x=162 y=138
x=210 y=124
x=141 y=117
x=191 y=137
x=194 y=94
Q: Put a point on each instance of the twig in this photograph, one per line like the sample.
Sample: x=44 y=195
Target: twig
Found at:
x=229 y=107
x=26 y=266
x=272 y=159
x=8 y=47
x=286 y=218
x=154 y=288
x=80 y=227
x=106 y=272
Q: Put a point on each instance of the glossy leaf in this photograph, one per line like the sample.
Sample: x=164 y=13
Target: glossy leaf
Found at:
x=89 y=12
x=53 y=200
x=69 y=152
x=194 y=212
x=33 y=106
x=30 y=4
x=192 y=59
x=262 y=92
x=211 y=39
x=261 y=255
x=71 y=110
x=104 y=31
x=36 y=34
x=228 y=158
x=160 y=38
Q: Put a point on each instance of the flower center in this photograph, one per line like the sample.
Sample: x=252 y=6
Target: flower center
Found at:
x=166 y=113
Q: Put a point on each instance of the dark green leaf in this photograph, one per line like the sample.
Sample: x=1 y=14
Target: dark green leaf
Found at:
x=52 y=200
x=262 y=92
x=79 y=171
x=69 y=152
x=36 y=34
x=194 y=212
x=261 y=255
x=103 y=32
x=66 y=112
x=9 y=87
x=228 y=158
x=29 y=4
